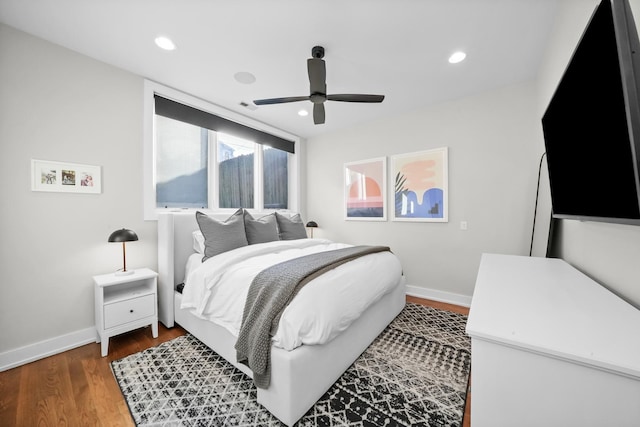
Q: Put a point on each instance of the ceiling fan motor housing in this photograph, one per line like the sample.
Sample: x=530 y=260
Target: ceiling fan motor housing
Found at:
x=318 y=98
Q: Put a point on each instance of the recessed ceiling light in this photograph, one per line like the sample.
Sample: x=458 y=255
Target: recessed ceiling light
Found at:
x=165 y=43
x=244 y=77
x=457 y=57
x=303 y=113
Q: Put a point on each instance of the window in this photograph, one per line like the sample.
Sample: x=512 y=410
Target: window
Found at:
x=276 y=175
x=236 y=158
x=197 y=159
x=182 y=153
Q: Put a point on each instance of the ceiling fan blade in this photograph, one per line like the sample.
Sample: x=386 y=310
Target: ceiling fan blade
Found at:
x=317 y=75
x=280 y=100
x=349 y=97
x=318 y=114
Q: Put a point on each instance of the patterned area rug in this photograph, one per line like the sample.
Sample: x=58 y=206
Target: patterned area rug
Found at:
x=414 y=374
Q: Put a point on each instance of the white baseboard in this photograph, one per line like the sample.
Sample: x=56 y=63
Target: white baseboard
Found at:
x=32 y=352
x=40 y=350
x=441 y=296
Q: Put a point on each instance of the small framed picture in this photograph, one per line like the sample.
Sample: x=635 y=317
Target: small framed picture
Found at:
x=65 y=177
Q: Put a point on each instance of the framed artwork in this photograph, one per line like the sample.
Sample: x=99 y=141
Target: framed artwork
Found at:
x=420 y=186
x=365 y=190
x=65 y=177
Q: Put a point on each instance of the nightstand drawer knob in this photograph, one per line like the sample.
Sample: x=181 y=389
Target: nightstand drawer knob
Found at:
x=130 y=311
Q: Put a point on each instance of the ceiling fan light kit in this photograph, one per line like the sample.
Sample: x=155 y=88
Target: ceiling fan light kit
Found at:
x=317 y=71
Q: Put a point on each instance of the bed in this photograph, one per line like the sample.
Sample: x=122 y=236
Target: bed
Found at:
x=299 y=376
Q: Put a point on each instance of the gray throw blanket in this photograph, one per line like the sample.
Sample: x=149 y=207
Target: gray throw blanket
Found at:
x=270 y=293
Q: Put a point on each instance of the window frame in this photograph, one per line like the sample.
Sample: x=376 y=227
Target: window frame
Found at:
x=149 y=185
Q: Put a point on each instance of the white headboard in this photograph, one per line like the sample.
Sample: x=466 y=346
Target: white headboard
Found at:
x=175 y=244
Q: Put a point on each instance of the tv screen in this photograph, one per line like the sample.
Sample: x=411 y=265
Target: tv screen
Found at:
x=592 y=124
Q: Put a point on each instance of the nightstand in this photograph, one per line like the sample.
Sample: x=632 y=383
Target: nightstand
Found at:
x=124 y=303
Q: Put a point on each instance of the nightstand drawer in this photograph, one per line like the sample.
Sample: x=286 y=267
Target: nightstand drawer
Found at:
x=130 y=310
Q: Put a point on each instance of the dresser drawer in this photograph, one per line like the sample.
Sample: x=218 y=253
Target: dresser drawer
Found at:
x=121 y=312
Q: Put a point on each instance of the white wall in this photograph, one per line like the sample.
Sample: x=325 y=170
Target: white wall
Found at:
x=493 y=167
x=61 y=106
x=608 y=253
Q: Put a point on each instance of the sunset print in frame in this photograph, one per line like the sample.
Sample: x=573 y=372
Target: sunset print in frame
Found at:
x=420 y=186
x=365 y=190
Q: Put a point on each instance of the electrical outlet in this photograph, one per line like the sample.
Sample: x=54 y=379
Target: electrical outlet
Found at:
x=463 y=225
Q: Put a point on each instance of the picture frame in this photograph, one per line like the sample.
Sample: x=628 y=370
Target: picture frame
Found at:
x=420 y=181
x=65 y=177
x=365 y=190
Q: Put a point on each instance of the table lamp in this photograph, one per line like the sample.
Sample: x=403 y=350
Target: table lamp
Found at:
x=123 y=235
x=312 y=225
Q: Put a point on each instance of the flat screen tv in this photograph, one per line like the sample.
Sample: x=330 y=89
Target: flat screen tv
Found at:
x=592 y=124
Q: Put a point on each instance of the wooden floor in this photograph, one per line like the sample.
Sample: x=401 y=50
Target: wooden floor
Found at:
x=77 y=387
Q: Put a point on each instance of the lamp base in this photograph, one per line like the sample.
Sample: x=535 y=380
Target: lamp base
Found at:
x=124 y=273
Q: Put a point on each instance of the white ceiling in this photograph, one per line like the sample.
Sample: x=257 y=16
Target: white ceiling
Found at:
x=397 y=48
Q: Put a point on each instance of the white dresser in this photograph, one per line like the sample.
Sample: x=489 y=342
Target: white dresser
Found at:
x=551 y=347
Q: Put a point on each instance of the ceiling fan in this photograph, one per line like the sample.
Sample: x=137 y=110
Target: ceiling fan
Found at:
x=318 y=89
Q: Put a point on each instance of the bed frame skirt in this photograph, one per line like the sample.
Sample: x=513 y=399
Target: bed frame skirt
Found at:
x=299 y=377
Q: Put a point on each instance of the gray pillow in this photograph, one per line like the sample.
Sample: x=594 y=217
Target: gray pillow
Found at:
x=220 y=236
x=291 y=228
x=260 y=230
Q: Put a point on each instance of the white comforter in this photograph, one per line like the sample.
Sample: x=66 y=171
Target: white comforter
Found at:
x=216 y=289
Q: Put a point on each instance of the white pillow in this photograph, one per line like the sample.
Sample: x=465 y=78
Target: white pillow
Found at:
x=198 y=242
